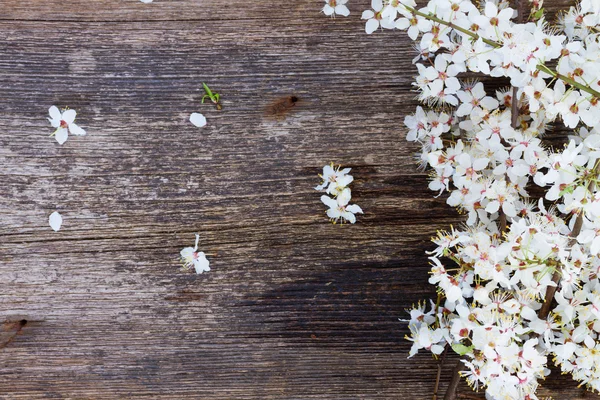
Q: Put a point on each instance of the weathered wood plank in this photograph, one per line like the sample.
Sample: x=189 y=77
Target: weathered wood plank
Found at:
x=223 y=12
x=294 y=307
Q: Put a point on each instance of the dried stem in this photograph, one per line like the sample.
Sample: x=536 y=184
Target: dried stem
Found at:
x=514 y=109
x=502 y=223
x=551 y=290
x=439 y=373
x=451 y=391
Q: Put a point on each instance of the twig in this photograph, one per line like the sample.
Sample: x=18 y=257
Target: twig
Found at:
x=439 y=373
x=551 y=290
x=502 y=223
x=514 y=109
x=541 y=67
x=451 y=391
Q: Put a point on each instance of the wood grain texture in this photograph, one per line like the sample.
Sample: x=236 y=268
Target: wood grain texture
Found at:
x=294 y=307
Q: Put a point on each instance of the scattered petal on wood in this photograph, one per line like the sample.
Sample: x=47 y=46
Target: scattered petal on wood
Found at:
x=198 y=119
x=55 y=221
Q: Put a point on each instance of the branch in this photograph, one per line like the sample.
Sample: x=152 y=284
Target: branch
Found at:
x=541 y=67
x=467 y=32
x=551 y=290
x=439 y=374
x=544 y=68
x=451 y=392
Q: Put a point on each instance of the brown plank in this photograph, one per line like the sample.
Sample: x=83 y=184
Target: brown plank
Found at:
x=294 y=306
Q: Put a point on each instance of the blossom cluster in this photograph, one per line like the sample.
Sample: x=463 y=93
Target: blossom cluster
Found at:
x=519 y=284
x=335 y=184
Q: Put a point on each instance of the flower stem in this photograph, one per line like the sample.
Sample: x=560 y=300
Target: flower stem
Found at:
x=451 y=391
x=544 y=68
x=439 y=374
x=433 y=18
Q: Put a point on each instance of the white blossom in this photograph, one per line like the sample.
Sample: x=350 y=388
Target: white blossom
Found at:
x=336 y=7
x=335 y=183
x=191 y=257
x=339 y=209
x=375 y=18
x=64 y=122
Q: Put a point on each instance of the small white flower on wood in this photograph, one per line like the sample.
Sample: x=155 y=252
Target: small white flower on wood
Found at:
x=64 y=123
x=191 y=257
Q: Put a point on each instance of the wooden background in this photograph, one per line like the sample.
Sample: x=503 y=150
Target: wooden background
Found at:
x=294 y=307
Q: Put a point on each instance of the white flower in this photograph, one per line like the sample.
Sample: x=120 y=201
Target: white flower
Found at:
x=375 y=19
x=494 y=21
x=335 y=179
x=191 y=257
x=473 y=100
x=64 y=124
x=198 y=120
x=55 y=221
x=425 y=338
x=339 y=210
x=441 y=80
x=336 y=7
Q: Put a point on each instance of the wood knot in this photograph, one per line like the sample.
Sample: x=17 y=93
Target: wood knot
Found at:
x=14 y=325
x=282 y=106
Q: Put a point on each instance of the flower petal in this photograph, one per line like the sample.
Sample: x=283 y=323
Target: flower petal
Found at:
x=198 y=120
x=371 y=26
x=55 y=221
x=329 y=202
x=69 y=116
x=54 y=113
x=61 y=135
x=76 y=129
x=354 y=208
x=201 y=264
x=342 y=10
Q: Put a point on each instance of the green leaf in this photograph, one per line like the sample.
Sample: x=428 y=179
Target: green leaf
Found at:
x=539 y=13
x=461 y=349
x=207 y=90
x=568 y=189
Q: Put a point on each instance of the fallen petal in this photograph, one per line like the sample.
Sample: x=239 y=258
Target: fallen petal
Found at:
x=198 y=120
x=55 y=221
